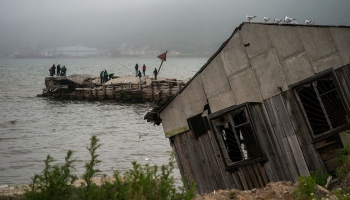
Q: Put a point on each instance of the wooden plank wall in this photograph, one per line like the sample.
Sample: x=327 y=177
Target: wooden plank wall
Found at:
x=283 y=136
x=285 y=139
x=200 y=160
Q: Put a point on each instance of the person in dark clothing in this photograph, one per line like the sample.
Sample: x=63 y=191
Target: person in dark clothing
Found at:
x=144 y=69
x=58 y=70
x=136 y=69
x=140 y=76
x=63 y=71
x=155 y=73
x=52 y=70
x=102 y=75
x=105 y=76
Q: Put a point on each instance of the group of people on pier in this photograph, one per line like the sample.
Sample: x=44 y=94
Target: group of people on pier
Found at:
x=60 y=71
x=138 y=72
x=104 y=76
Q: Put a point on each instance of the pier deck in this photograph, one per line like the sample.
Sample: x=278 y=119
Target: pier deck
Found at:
x=119 y=88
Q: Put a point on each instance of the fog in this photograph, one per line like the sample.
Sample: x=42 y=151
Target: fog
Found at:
x=189 y=26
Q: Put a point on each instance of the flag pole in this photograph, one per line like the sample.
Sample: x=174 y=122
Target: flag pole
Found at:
x=161 y=62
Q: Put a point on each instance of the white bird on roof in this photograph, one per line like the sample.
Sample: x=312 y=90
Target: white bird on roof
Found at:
x=266 y=19
x=277 y=21
x=288 y=19
x=248 y=17
x=308 y=22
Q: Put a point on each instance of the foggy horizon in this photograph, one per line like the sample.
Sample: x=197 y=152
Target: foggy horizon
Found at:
x=186 y=26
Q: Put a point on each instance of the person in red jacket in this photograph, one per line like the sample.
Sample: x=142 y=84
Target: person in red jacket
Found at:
x=144 y=70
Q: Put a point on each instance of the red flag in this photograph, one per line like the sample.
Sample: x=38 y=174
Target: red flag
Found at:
x=162 y=56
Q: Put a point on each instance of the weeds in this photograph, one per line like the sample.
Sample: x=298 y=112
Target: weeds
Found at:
x=54 y=182
x=306 y=188
x=343 y=162
x=319 y=177
x=342 y=193
x=140 y=182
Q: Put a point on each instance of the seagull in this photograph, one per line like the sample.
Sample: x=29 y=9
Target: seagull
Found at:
x=288 y=19
x=149 y=159
x=139 y=137
x=250 y=17
x=308 y=22
x=266 y=19
x=295 y=23
x=277 y=21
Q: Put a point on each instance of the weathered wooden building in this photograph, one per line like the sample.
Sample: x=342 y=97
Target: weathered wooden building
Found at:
x=271 y=104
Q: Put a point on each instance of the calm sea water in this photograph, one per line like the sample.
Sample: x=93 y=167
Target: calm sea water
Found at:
x=32 y=127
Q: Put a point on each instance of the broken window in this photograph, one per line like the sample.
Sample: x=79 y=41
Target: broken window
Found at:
x=321 y=104
x=237 y=137
x=198 y=125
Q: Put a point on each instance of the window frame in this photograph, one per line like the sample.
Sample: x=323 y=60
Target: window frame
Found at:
x=230 y=111
x=332 y=131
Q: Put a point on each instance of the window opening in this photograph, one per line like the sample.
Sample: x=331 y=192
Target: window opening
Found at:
x=237 y=137
x=322 y=104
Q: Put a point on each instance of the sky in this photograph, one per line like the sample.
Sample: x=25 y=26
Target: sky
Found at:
x=188 y=25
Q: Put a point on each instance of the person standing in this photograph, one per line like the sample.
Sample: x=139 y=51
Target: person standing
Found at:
x=136 y=69
x=102 y=75
x=63 y=71
x=144 y=70
x=52 y=70
x=58 y=70
x=140 y=76
x=155 y=73
x=105 y=76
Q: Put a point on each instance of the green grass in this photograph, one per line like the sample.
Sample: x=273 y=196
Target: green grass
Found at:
x=140 y=182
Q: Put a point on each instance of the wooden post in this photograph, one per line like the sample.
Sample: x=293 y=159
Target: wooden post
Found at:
x=104 y=91
x=169 y=87
x=113 y=91
x=152 y=91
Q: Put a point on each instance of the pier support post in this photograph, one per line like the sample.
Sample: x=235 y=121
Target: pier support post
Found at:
x=152 y=92
x=113 y=90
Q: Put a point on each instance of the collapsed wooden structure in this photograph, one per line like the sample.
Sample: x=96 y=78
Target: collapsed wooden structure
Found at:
x=125 y=88
x=272 y=104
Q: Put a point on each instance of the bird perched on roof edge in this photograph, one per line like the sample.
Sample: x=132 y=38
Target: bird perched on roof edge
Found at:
x=248 y=17
x=266 y=19
x=288 y=19
x=277 y=21
x=308 y=22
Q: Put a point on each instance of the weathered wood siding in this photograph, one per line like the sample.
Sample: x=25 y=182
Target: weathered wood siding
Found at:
x=200 y=160
x=283 y=136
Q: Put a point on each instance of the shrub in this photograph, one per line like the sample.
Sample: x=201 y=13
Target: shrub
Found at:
x=88 y=189
x=341 y=193
x=144 y=182
x=343 y=162
x=54 y=182
x=319 y=177
x=306 y=188
x=140 y=182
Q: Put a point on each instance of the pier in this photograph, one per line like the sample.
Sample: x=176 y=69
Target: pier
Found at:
x=119 y=88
